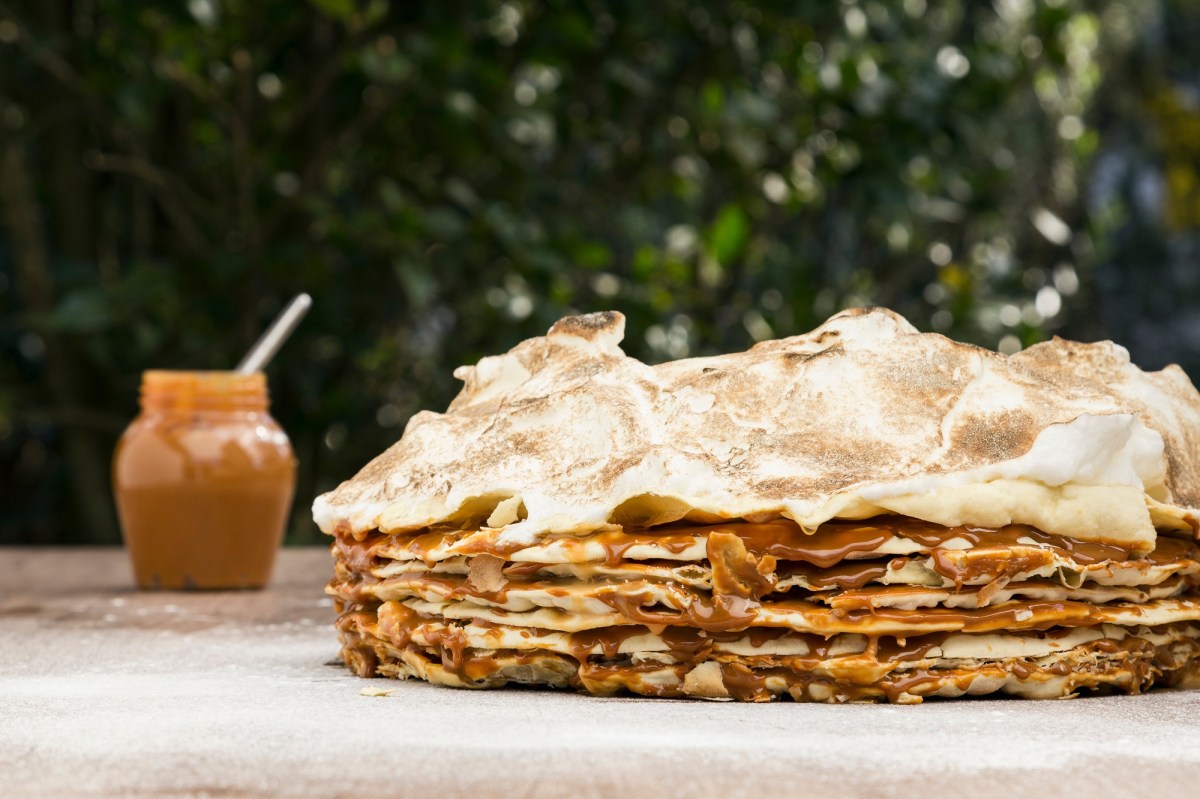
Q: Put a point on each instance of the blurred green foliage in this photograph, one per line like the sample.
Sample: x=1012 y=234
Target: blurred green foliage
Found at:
x=449 y=178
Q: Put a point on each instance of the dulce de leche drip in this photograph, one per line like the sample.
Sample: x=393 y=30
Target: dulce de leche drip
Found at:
x=203 y=479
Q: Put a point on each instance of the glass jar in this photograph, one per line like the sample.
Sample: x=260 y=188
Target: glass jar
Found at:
x=203 y=479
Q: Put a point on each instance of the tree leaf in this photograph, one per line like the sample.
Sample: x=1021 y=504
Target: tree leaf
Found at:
x=729 y=234
x=338 y=9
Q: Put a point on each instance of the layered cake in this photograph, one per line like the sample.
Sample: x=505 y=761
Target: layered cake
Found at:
x=861 y=513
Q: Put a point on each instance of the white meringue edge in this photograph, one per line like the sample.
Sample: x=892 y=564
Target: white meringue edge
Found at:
x=1092 y=478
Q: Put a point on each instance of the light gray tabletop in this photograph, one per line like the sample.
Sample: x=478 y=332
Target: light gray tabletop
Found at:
x=107 y=691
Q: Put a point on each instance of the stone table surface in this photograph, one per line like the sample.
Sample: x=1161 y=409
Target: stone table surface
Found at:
x=107 y=691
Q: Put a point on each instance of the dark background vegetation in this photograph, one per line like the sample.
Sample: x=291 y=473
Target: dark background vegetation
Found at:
x=447 y=178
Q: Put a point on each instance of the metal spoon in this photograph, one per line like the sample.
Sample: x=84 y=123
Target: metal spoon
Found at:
x=269 y=343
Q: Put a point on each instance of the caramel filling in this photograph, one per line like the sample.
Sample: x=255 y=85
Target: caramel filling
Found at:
x=883 y=667
x=754 y=583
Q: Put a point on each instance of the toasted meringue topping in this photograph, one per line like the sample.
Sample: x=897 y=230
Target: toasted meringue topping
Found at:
x=864 y=415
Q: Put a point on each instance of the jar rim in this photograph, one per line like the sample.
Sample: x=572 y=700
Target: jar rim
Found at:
x=178 y=389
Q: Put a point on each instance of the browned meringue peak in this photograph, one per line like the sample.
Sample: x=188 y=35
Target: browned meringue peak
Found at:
x=862 y=416
x=1165 y=399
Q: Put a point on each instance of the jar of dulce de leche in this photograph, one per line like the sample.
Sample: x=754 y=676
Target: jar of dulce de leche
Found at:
x=203 y=479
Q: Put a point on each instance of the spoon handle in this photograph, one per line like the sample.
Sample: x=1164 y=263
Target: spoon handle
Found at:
x=269 y=343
